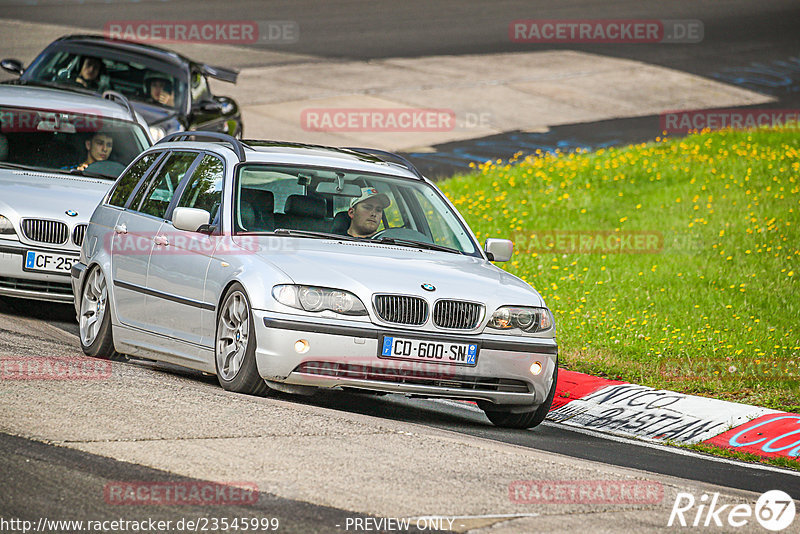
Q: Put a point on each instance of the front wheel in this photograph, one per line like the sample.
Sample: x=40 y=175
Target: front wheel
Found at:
x=94 y=322
x=525 y=419
x=235 y=347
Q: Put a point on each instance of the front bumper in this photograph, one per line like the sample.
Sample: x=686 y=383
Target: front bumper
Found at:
x=345 y=354
x=15 y=281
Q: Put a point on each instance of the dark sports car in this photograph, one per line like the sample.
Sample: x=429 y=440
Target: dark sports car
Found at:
x=169 y=90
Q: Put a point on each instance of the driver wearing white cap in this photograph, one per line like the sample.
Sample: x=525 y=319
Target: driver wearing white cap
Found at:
x=366 y=212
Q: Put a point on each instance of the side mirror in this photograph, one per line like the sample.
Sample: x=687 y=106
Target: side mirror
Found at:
x=498 y=249
x=190 y=219
x=14 y=66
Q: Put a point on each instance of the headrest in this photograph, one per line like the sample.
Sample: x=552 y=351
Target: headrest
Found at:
x=305 y=206
x=264 y=201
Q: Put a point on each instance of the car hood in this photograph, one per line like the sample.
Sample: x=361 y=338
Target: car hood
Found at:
x=39 y=194
x=365 y=269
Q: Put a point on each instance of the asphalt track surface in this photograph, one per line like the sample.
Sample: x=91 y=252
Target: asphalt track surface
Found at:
x=467 y=419
x=751 y=44
x=45 y=481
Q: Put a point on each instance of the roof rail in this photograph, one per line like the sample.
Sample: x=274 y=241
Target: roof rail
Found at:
x=237 y=146
x=119 y=98
x=379 y=153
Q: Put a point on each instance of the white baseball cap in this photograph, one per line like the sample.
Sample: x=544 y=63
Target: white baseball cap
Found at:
x=371 y=192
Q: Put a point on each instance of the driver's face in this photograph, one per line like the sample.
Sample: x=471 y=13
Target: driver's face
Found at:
x=366 y=217
x=99 y=148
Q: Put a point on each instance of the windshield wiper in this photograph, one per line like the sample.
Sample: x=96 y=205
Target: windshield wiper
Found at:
x=412 y=243
x=37 y=168
x=316 y=235
x=382 y=240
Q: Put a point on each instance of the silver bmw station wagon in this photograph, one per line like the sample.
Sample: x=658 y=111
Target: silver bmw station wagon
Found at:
x=290 y=267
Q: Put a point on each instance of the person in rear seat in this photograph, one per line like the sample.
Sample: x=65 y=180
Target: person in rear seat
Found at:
x=366 y=212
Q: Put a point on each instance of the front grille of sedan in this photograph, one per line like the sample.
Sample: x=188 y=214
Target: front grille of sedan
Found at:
x=43 y=231
x=401 y=309
x=426 y=377
x=457 y=314
x=78 y=234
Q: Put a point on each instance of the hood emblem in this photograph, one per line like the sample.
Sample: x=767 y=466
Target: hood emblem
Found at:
x=428 y=287
x=71 y=213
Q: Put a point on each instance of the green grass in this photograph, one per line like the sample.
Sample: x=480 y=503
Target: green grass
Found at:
x=713 y=309
x=777 y=461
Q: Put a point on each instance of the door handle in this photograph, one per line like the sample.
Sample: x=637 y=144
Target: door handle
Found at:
x=161 y=240
x=120 y=229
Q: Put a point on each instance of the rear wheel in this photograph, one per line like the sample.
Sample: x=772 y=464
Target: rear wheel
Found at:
x=529 y=419
x=94 y=322
x=235 y=346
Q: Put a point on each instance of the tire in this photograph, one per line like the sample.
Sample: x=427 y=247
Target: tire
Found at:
x=525 y=419
x=235 y=345
x=94 y=320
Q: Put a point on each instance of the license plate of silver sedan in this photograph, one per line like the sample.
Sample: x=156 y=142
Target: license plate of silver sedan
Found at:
x=299 y=268
x=432 y=351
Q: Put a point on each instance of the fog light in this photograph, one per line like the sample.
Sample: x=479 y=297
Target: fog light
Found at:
x=536 y=368
x=301 y=346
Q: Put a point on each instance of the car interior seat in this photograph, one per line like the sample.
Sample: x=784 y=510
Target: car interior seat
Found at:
x=304 y=213
x=3 y=147
x=255 y=210
x=341 y=222
x=52 y=154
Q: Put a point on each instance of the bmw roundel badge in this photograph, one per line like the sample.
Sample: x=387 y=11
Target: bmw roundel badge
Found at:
x=71 y=213
x=428 y=287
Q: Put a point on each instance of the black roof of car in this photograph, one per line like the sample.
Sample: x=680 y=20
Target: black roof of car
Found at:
x=154 y=52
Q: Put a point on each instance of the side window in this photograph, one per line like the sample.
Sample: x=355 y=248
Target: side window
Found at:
x=160 y=189
x=128 y=182
x=440 y=230
x=204 y=190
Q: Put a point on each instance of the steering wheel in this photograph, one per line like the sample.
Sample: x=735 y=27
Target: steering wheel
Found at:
x=109 y=168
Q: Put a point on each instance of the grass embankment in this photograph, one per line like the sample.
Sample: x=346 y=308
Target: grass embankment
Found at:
x=704 y=297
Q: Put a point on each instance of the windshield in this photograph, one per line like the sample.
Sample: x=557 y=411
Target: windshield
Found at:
x=330 y=201
x=148 y=82
x=86 y=144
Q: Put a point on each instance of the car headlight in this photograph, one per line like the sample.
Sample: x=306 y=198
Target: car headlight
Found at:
x=6 y=228
x=531 y=320
x=157 y=133
x=318 y=299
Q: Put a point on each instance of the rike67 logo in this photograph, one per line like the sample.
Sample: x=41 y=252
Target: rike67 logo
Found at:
x=774 y=510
